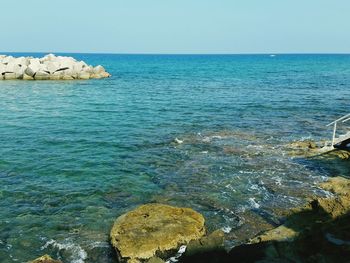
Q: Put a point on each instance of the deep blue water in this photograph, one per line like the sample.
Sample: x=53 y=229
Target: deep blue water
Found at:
x=74 y=155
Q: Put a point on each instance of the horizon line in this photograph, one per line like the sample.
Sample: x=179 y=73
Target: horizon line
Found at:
x=174 y=54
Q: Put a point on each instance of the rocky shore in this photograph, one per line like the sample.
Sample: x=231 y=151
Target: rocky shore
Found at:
x=156 y=233
x=319 y=231
x=49 y=67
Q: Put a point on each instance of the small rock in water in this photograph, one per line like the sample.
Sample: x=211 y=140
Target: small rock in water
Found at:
x=49 y=67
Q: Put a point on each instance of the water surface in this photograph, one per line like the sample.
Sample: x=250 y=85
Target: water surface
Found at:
x=75 y=155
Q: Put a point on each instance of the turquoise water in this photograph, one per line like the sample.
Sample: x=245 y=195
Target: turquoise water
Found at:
x=75 y=155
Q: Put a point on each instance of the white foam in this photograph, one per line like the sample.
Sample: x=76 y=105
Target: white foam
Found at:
x=78 y=255
x=97 y=244
x=253 y=203
x=254 y=187
x=226 y=229
x=278 y=180
x=179 y=253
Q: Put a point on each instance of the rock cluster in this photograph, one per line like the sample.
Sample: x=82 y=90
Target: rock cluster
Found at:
x=155 y=230
x=317 y=232
x=49 y=67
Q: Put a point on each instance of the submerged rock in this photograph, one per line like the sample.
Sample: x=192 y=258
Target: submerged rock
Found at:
x=45 y=259
x=49 y=67
x=155 y=230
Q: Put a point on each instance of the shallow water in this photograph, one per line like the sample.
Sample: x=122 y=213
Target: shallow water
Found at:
x=75 y=155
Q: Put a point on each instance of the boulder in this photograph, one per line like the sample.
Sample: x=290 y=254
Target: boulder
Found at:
x=34 y=61
x=52 y=66
x=79 y=66
x=48 y=67
x=155 y=230
x=27 y=77
x=2 y=58
x=100 y=75
x=10 y=67
x=17 y=69
x=45 y=259
x=83 y=75
x=67 y=77
x=99 y=69
x=2 y=68
x=7 y=59
x=96 y=76
x=49 y=57
x=89 y=69
x=66 y=62
x=317 y=232
x=41 y=75
x=10 y=76
x=56 y=75
x=32 y=69
x=43 y=67
x=23 y=61
x=105 y=75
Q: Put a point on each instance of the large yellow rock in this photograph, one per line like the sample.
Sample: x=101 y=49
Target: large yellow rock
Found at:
x=155 y=229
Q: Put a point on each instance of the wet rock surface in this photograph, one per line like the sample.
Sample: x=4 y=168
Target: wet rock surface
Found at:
x=309 y=148
x=316 y=232
x=49 y=67
x=45 y=259
x=155 y=230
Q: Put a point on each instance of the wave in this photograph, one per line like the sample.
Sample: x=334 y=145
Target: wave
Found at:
x=75 y=252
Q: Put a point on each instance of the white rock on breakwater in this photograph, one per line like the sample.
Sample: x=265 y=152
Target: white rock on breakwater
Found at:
x=49 y=67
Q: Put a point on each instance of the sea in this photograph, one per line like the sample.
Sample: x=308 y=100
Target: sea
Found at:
x=209 y=132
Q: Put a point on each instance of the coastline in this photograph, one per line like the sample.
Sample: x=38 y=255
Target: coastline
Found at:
x=110 y=145
x=317 y=231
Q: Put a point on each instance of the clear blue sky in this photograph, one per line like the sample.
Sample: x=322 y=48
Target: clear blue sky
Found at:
x=176 y=26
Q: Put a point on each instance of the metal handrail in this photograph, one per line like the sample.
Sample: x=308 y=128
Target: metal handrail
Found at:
x=348 y=119
x=337 y=120
x=345 y=118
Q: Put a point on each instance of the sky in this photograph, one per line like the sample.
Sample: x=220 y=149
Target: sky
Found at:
x=176 y=26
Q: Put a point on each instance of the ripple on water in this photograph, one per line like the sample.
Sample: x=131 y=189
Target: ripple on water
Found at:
x=74 y=156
